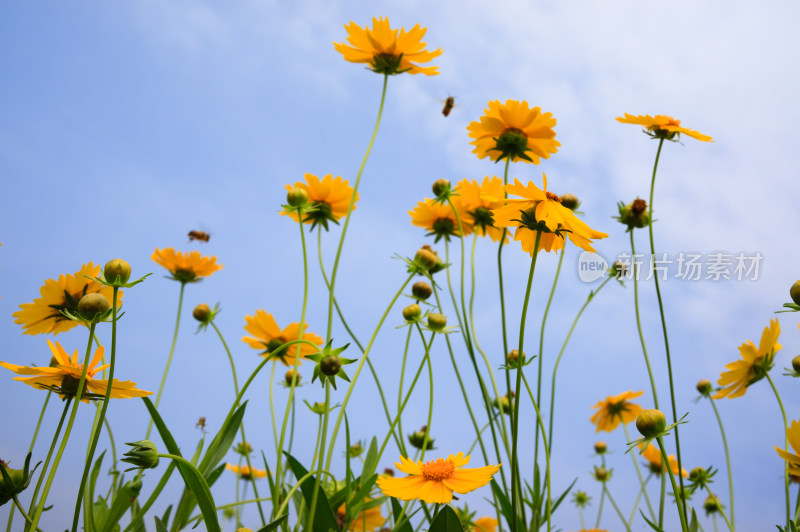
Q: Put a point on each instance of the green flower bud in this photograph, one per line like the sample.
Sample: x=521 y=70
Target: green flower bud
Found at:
x=421 y=290
x=14 y=481
x=634 y=214
x=229 y=513
x=355 y=450
x=330 y=365
x=796 y=363
x=117 y=272
x=601 y=474
x=570 y=201
x=292 y=376
x=712 y=504
x=417 y=439
x=297 y=197
x=243 y=448
x=600 y=447
x=620 y=269
x=426 y=258
x=92 y=306
x=651 y=423
x=437 y=322
x=412 y=312
x=144 y=455
x=704 y=387
x=441 y=187
x=794 y=292
x=202 y=312
x=513 y=357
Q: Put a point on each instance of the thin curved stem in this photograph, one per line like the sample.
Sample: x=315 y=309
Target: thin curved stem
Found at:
x=727 y=459
x=785 y=448
x=639 y=321
x=616 y=508
x=679 y=502
x=639 y=473
x=49 y=455
x=540 y=423
x=153 y=496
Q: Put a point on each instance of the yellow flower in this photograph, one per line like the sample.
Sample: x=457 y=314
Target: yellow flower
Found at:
x=64 y=377
x=793 y=435
x=484 y=524
x=330 y=199
x=44 y=316
x=615 y=410
x=655 y=462
x=514 y=130
x=186 y=267
x=269 y=337
x=474 y=198
x=385 y=51
x=367 y=520
x=439 y=218
x=245 y=473
x=542 y=209
x=661 y=126
x=436 y=480
x=753 y=366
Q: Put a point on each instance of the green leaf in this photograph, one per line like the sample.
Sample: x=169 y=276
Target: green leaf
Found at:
x=160 y=527
x=652 y=524
x=94 y=519
x=561 y=498
x=371 y=459
x=222 y=441
x=275 y=524
x=693 y=525
x=403 y=526
x=324 y=518
x=446 y=521
x=123 y=499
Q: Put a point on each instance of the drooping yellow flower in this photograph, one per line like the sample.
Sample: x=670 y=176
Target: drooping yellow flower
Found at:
x=662 y=126
x=793 y=435
x=245 y=473
x=754 y=364
x=44 y=314
x=475 y=200
x=615 y=410
x=65 y=375
x=439 y=218
x=436 y=480
x=484 y=524
x=514 y=130
x=542 y=209
x=329 y=197
x=268 y=337
x=386 y=51
x=186 y=267
x=368 y=520
x=655 y=462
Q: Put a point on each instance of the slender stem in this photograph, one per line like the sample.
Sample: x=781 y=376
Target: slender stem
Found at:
x=169 y=359
x=616 y=508
x=426 y=438
x=639 y=320
x=679 y=502
x=230 y=357
x=323 y=435
x=727 y=457
x=49 y=454
x=400 y=385
x=21 y=511
x=639 y=473
x=153 y=496
x=727 y=522
x=785 y=448
x=30 y=448
x=540 y=423
x=638 y=498
x=600 y=508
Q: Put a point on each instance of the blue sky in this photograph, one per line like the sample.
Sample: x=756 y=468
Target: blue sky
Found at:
x=123 y=126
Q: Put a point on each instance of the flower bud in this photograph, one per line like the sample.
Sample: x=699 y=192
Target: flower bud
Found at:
x=91 y=306
x=421 y=290
x=570 y=201
x=712 y=504
x=698 y=473
x=292 y=377
x=513 y=357
x=426 y=258
x=412 y=312
x=437 y=322
x=634 y=214
x=330 y=365
x=117 y=272
x=297 y=197
x=601 y=474
x=651 y=423
x=620 y=269
x=704 y=387
x=796 y=363
x=600 y=447
x=417 y=439
x=794 y=292
x=440 y=187
x=243 y=448
x=201 y=312
x=228 y=513
x=17 y=484
x=355 y=450
x=144 y=455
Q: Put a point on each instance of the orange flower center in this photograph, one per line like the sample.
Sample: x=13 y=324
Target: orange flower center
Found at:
x=438 y=469
x=552 y=197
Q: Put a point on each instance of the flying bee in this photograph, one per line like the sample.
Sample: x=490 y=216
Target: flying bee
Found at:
x=201 y=423
x=199 y=235
x=449 y=103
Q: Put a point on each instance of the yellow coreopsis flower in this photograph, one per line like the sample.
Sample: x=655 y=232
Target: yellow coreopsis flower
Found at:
x=655 y=461
x=267 y=337
x=542 y=210
x=367 y=521
x=186 y=267
x=439 y=219
x=64 y=377
x=754 y=365
x=793 y=435
x=436 y=480
x=44 y=314
x=615 y=410
x=475 y=200
x=329 y=197
x=388 y=51
x=663 y=127
x=484 y=524
x=514 y=130
x=245 y=473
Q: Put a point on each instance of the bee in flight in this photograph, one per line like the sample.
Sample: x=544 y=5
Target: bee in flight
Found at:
x=199 y=235
x=201 y=423
x=449 y=103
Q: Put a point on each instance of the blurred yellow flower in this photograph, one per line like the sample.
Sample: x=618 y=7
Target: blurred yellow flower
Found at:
x=367 y=521
x=475 y=200
x=484 y=524
x=514 y=130
x=793 y=435
x=44 y=314
x=245 y=473
x=753 y=366
x=64 y=376
x=436 y=480
x=330 y=199
x=615 y=410
x=661 y=126
x=268 y=337
x=186 y=267
x=655 y=462
x=386 y=51
x=439 y=218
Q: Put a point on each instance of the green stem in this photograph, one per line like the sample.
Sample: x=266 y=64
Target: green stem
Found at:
x=639 y=320
x=725 y=517
x=616 y=508
x=600 y=508
x=639 y=473
x=49 y=454
x=643 y=489
x=679 y=502
x=21 y=511
x=785 y=448
x=400 y=385
x=153 y=496
x=426 y=438
x=540 y=423
x=727 y=457
x=230 y=357
x=323 y=435
x=30 y=448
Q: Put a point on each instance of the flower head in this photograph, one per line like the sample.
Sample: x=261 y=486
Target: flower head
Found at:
x=484 y=524
x=663 y=127
x=367 y=520
x=514 y=131
x=754 y=365
x=388 y=51
x=793 y=435
x=329 y=197
x=655 y=462
x=615 y=410
x=186 y=267
x=245 y=473
x=64 y=377
x=44 y=314
x=436 y=480
x=267 y=337
x=477 y=202
x=439 y=219
x=541 y=210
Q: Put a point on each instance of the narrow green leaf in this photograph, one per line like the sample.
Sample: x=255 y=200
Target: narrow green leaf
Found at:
x=196 y=483
x=222 y=441
x=446 y=521
x=403 y=526
x=649 y=522
x=371 y=459
x=324 y=518
x=693 y=525
x=561 y=497
x=505 y=506
x=123 y=499
x=160 y=526
x=275 y=524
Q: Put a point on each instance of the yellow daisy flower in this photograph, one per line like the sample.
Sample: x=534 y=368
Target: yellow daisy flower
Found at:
x=655 y=462
x=64 y=377
x=436 y=480
x=439 y=218
x=44 y=314
x=542 y=209
x=330 y=198
x=474 y=198
x=514 y=130
x=186 y=267
x=615 y=410
x=793 y=435
x=245 y=473
x=386 y=51
x=754 y=365
x=484 y=524
x=367 y=521
x=663 y=127
x=268 y=337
